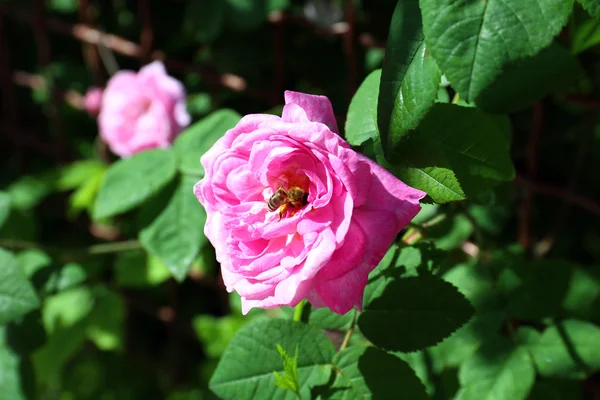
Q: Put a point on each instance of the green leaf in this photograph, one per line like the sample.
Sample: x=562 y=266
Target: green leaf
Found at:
x=567 y=350
x=139 y=269
x=106 y=322
x=361 y=123
x=17 y=296
x=476 y=283
x=131 y=181
x=76 y=174
x=28 y=191
x=410 y=78
x=406 y=261
x=586 y=35
x=11 y=376
x=65 y=316
x=216 y=333
x=324 y=318
x=464 y=143
x=85 y=195
x=33 y=260
x=177 y=234
x=201 y=136
x=499 y=371
x=582 y=299
x=591 y=6
x=472 y=40
x=522 y=84
x=65 y=277
x=463 y=343
x=4 y=207
x=203 y=20
x=289 y=380
x=542 y=291
x=367 y=372
x=414 y=313
x=246 y=369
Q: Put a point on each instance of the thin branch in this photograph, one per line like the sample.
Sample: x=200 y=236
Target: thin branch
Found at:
x=350 y=331
x=561 y=193
x=532 y=156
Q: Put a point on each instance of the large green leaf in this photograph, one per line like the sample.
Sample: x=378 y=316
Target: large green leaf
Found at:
x=199 y=137
x=567 y=350
x=361 y=122
x=177 y=234
x=498 y=371
x=466 y=148
x=472 y=40
x=414 y=313
x=131 y=181
x=17 y=296
x=367 y=372
x=246 y=369
x=520 y=85
x=410 y=78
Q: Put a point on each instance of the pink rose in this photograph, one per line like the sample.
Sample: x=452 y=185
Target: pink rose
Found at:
x=93 y=101
x=325 y=245
x=142 y=110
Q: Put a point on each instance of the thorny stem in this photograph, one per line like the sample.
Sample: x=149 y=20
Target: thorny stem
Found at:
x=350 y=331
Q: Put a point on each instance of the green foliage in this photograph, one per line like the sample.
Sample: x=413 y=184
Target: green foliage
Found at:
x=367 y=372
x=174 y=236
x=567 y=349
x=130 y=181
x=361 y=122
x=199 y=137
x=452 y=136
x=18 y=296
x=289 y=379
x=468 y=39
x=413 y=313
x=248 y=363
x=409 y=80
x=499 y=371
x=109 y=288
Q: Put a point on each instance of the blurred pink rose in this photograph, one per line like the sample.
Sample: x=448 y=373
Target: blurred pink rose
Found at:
x=93 y=101
x=326 y=249
x=142 y=110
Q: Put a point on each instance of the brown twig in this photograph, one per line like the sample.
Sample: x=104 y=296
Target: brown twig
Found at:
x=38 y=82
x=90 y=52
x=88 y=34
x=532 y=155
x=562 y=215
x=146 y=35
x=44 y=51
x=561 y=193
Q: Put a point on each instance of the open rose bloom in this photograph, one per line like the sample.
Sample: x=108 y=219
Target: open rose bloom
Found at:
x=140 y=111
x=324 y=248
